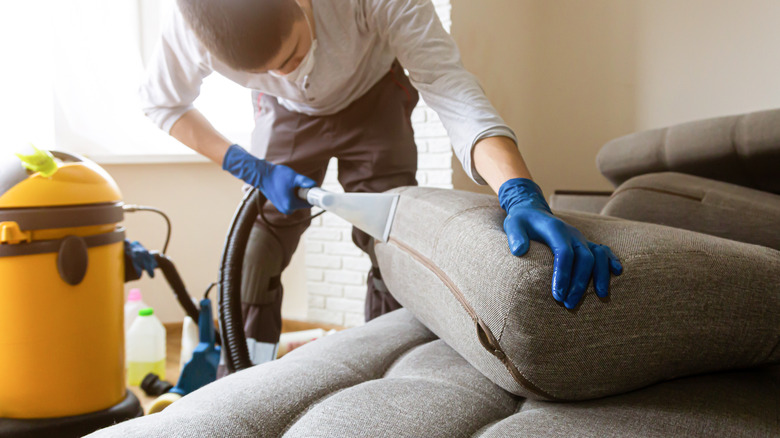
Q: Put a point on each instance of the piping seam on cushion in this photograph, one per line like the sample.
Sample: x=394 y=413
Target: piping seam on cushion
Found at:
x=516 y=297
x=452 y=218
x=484 y=335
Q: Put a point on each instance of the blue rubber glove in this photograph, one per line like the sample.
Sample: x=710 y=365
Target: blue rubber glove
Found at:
x=576 y=259
x=142 y=259
x=278 y=182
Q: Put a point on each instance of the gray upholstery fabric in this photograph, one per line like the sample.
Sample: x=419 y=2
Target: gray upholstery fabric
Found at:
x=391 y=378
x=430 y=392
x=732 y=404
x=743 y=150
x=587 y=202
x=699 y=204
x=264 y=400
x=687 y=303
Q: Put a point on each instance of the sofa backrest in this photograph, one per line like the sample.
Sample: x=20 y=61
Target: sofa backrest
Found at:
x=742 y=149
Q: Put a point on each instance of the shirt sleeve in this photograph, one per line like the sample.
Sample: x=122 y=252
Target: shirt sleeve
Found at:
x=174 y=73
x=419 y=41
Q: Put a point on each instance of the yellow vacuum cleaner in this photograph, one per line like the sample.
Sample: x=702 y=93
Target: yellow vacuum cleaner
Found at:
x=62 y=271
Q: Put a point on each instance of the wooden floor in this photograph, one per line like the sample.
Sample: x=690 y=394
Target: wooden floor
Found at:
x=173 y=335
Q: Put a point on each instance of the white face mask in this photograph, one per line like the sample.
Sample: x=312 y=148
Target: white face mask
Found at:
x=306 y=65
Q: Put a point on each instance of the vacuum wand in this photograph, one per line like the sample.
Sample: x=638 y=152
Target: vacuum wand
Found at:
x=372 y=213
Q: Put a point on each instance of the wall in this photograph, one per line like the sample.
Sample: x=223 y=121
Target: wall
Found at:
x=569 y=75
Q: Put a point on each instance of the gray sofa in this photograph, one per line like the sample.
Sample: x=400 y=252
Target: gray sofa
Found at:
x=687 y=344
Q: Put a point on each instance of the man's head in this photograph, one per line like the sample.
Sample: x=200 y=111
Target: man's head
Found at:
x=251 y=35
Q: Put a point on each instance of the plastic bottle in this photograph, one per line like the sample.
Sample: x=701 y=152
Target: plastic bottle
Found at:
x=189 y=340
x=145 y=347
x=133 y=304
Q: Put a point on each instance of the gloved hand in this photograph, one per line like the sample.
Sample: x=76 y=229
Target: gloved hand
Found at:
x=142 y=259
x=278 y=182
x=576 y=259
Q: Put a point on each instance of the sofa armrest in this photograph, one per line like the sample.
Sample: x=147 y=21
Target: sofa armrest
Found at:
x=743 y=150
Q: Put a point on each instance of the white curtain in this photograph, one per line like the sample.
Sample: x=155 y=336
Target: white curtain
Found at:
x=26 y=72
x=98 y=69
x=70 y=76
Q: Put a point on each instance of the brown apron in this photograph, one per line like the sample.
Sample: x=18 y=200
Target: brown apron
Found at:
x=373 y=141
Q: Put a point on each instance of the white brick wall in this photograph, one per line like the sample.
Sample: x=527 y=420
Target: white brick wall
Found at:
x=336 y=269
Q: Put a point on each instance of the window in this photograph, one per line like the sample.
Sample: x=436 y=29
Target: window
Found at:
x=71 y=75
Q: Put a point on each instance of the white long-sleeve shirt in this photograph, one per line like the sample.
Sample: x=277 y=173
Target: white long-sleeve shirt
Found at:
x=357 y=42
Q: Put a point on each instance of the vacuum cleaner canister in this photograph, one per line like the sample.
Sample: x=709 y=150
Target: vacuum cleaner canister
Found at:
x=62 y=275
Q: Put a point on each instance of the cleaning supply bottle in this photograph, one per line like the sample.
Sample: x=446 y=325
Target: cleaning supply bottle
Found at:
x=189 y=340
x=145 y=347
x=133 y=304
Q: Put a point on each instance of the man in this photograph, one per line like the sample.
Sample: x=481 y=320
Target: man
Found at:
x=328 y=82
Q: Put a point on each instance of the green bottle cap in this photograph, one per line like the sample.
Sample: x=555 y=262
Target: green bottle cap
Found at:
x=40 y=161
x=146 y=312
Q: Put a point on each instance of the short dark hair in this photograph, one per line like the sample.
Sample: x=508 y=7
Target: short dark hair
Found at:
x=244 y=34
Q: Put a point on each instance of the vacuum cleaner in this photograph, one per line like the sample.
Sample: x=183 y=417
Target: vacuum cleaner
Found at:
x=62 y=269
x=63 y=265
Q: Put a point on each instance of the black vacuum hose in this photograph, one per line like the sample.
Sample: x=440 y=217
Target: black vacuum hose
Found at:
x=231 y=323
x=175 y=282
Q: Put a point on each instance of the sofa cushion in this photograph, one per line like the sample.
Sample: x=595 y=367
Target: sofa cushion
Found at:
x=265 y=400
x=392 y=378
x=699 y=204
x=733 y=404
x=686 y=303
x=742 y=149
x=430 y=392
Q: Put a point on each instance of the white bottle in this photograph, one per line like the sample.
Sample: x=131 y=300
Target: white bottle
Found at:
x=190 y=337
x=133 y=304
x=145 y=347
